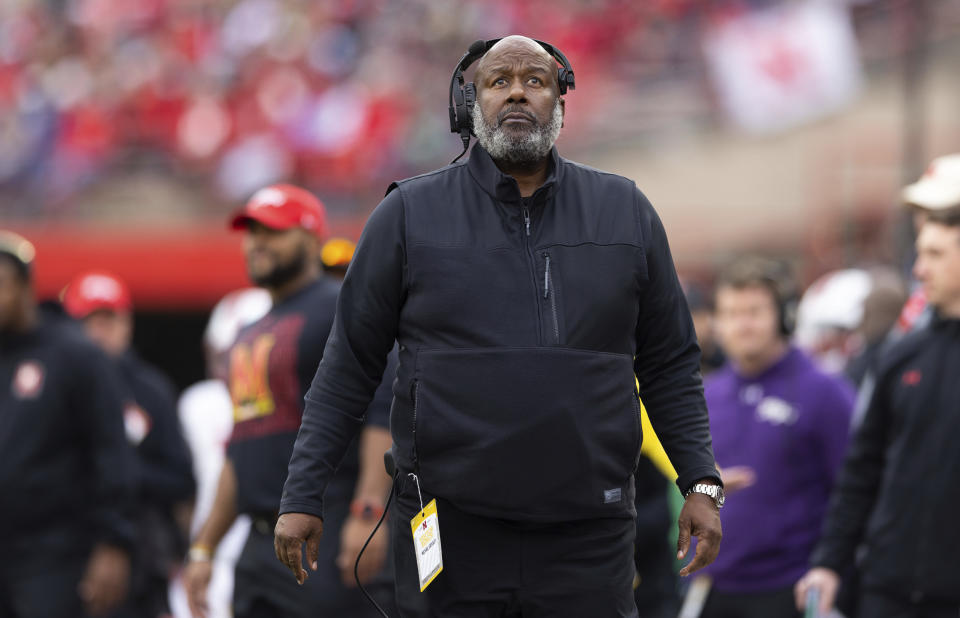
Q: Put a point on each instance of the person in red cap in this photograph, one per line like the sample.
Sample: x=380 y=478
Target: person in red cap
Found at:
x=103 y=305
x=102 y=302
x=65 y=482
x=271 y=365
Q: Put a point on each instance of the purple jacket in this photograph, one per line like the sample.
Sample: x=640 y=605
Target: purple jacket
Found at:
x=790 y=424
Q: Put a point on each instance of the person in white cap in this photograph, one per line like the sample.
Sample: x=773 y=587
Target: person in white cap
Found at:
x=895 y=502
x=938 y=189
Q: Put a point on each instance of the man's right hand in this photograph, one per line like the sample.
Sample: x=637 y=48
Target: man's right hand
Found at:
x=291 y=532
x=196 y=580
x=826 y=580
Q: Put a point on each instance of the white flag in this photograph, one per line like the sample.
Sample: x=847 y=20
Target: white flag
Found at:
x=780 y=67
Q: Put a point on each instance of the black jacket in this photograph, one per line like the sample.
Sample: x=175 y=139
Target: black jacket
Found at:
x=897 y=494
x=66 y=461
x=521 y=323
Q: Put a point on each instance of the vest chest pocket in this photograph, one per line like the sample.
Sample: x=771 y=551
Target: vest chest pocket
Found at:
x=589 y=293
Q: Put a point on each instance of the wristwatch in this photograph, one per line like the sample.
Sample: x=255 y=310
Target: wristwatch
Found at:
x=708 y=489
x=367 y=511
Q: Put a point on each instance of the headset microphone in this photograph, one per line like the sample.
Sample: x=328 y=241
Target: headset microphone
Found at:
x=463 y=96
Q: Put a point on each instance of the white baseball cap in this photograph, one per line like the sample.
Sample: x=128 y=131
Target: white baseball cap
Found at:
x=939 y=187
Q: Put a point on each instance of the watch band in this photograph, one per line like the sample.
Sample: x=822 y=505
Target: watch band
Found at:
x=367 y=511
x=714 y=491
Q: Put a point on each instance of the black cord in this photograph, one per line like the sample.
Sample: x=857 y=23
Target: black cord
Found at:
x=356 y=565
x=466 y=145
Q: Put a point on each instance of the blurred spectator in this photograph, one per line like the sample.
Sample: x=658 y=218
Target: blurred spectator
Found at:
x=897 y=491
x=701 y=310
x=937 y=189
x=271 y=365
x=881 y=308
x=165 y=484
x=828 y=316
x=206 y=413
x=65 y=536
x=779 y=429
x=335 y=256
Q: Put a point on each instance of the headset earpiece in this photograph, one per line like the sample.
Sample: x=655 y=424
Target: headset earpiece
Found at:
x=565 y=80
x=469 y=100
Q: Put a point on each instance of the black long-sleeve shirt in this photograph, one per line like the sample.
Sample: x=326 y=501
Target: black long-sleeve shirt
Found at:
x=66 y=460
x=522 y=323
x=897 y=494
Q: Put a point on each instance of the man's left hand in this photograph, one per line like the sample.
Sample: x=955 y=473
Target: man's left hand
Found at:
x=354 y=534
x=700 y=518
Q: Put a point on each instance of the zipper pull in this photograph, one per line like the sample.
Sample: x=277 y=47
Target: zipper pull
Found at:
x=546 y=275
x=526 y=219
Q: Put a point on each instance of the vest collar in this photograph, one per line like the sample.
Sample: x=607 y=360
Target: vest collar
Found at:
x=504 y=188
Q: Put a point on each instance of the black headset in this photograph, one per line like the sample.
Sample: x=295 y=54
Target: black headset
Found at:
x=464 y=96
x=787 y=302
x=780 y=282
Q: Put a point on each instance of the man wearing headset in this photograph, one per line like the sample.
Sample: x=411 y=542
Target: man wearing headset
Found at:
x=527 y=294
x=780 y=429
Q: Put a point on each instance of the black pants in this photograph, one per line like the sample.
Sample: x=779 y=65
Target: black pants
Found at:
x=769 y=604
x=39 y=574
x=875 y=605
x=495 y=568
x=265 y=588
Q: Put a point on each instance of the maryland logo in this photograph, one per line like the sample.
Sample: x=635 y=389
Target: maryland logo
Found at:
x=250 y=380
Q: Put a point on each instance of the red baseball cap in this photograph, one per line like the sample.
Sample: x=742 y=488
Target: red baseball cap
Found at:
x=96 y=290
x=282 y=207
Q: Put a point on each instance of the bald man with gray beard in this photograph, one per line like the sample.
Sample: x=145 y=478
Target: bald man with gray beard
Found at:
x=528 y=294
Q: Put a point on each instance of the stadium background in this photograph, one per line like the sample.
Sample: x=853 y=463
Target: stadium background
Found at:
x=130 y=128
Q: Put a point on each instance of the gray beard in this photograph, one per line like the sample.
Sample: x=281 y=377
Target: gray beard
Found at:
x=518 y=148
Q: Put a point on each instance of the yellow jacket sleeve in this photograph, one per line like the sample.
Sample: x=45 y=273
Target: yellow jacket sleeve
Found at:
x=652 y=448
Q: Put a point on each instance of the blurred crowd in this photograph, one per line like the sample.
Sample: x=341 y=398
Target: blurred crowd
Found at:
x=231 y=95
x=248 y=92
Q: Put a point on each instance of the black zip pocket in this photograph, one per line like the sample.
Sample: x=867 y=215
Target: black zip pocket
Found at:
x=414 y=392
x=549 y=293
x=639 y=419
